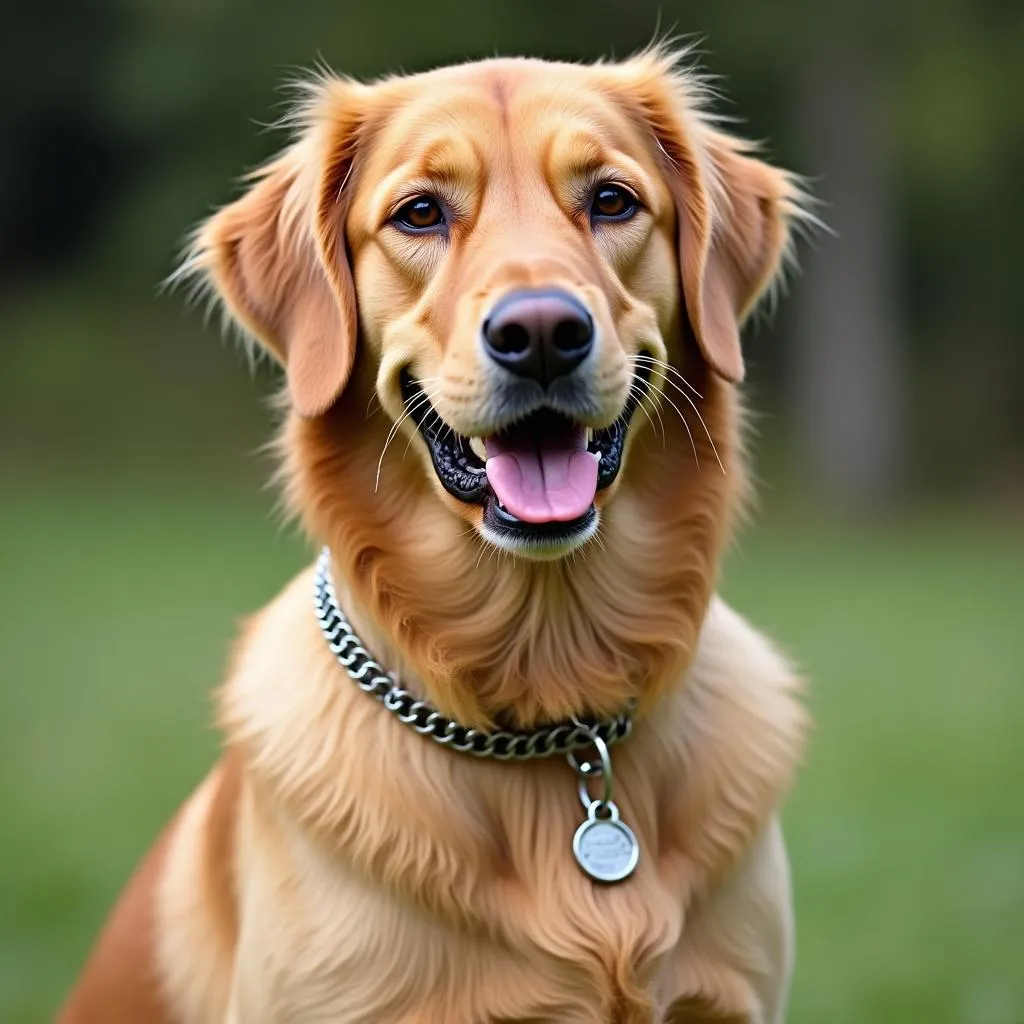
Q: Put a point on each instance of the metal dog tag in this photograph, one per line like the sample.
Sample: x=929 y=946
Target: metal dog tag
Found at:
x=605 y=847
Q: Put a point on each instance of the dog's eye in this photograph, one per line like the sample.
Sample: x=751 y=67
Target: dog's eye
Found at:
x=420 y=214
x=613 y=202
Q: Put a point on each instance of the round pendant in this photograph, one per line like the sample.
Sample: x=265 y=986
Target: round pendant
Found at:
x=605 y=848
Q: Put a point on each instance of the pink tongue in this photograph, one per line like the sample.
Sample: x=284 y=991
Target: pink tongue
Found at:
x=553 y=479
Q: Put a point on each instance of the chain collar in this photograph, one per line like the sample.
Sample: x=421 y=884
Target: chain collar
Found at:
x=367 y=674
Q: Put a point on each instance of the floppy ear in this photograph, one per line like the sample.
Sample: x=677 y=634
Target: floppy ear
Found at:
x=731 y=245
x=277 y=256
x=733 y=210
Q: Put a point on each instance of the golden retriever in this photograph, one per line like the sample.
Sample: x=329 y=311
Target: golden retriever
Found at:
x=507 y=297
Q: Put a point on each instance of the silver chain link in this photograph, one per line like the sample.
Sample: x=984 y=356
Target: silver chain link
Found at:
x=367 y=674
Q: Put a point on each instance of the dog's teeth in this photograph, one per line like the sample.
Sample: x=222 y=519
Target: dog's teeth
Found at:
x=479 y=448
x=589 y=434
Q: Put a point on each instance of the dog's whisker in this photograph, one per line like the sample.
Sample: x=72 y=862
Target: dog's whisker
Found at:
x=412 y=434
x=659 y=427
x=689 y=433
x=408 y=445
x=412 y=405
x=667 y=368
x=375 y=397
x=492 y=553
x=649 y=399
x=436 y=419
x=642 y=395
x=693 y=405
x=480 y=557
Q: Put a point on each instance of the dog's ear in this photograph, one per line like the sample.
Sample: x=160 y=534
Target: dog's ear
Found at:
x=731 y=243
x=733 y=210
x=277 y=256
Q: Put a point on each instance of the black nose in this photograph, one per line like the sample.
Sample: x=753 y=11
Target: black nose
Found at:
x=539 y=334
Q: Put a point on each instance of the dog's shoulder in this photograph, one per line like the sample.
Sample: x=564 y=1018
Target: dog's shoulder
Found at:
x=280 y=642
x=739 y=667
x=740 y=726
x=736 y=730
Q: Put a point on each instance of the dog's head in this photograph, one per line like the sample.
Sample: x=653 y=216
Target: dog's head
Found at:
x=508 y=294
x=516 y=245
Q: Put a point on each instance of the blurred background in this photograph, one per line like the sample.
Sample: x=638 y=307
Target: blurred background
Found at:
x=888 y=553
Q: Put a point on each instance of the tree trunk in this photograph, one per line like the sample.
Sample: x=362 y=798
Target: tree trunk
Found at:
x=848 y=367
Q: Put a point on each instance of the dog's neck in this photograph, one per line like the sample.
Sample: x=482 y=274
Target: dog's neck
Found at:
x=491 y=638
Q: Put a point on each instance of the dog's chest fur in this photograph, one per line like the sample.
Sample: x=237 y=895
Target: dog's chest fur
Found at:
x=549 y=948
x=382 y=878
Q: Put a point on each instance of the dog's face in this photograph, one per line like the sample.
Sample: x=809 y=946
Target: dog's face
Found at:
x=518 y=248
x=516 y=271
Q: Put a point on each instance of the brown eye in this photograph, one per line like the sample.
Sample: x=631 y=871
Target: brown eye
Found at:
x=613 y=202
x=420 y=214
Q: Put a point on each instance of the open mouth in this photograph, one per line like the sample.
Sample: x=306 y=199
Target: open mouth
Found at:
x=537 y=478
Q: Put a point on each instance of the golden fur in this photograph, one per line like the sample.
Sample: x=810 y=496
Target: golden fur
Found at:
x=335 y=866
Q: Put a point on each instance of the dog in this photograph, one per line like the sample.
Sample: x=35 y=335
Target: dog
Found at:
x=502 y=755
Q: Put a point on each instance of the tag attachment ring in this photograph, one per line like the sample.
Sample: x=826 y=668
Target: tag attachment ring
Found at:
x=586 y=770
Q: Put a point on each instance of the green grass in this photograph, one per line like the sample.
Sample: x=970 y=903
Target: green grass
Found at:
x=906 y=829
